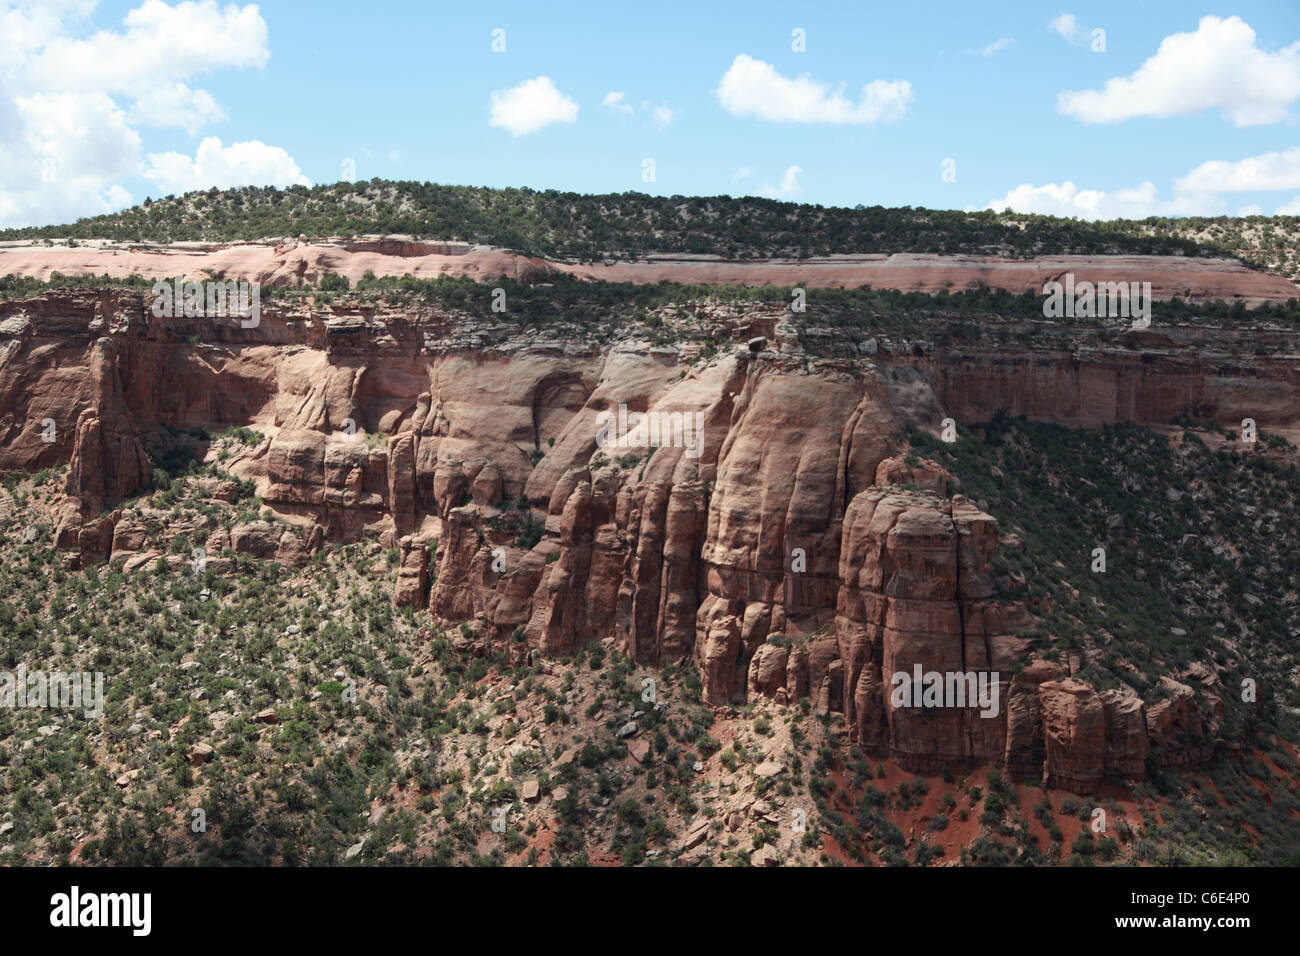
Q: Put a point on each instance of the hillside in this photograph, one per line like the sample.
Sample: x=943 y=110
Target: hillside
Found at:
x=580 y=227
x=369 y=586
x=266 y=711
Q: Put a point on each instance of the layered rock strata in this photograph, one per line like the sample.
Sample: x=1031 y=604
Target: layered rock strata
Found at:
x=781 y=544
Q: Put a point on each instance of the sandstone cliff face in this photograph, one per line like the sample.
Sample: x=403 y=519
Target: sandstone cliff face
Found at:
x=412 y=587
x=108 y=462
x=910 y=596
x=789 y=552
x=283 y=263
x=1074 y=730
x=1165 y=377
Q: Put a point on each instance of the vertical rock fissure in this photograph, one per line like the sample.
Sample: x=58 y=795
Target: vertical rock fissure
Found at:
x=961 y=611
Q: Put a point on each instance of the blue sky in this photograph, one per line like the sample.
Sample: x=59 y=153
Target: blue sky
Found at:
x=104 y=104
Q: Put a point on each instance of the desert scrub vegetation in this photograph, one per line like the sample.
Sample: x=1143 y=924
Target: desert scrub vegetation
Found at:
x=592 y=227
x=696 y=318
x=1196 y=531
x=301 y=719
x=312 y=722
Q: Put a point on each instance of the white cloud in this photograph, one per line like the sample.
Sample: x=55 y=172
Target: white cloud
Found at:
x=614 y=100
x=664 y=115
x=789 y=185
x=998 y=45
x=753 y=88
x=80 y=136
x=531 y=105
x=177 y=105
x=1066 y=199
x=60 y=154
x=1067 y=26
x=72 y=99
x=239 y=164
x=744 y=172
x=1217 y=67
x=26 y=27
x=1263 y=172
x=1197 y=193
x=1251 y=209
x=160 y=46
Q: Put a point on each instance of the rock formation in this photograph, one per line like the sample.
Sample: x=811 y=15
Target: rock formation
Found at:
x=794 y=551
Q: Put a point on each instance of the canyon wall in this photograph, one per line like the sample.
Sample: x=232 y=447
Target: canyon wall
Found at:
x=793 y=551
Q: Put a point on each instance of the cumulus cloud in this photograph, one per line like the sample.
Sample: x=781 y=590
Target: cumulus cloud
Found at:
x=72 y=101
x=531 y=105
x=239 y=164
x=61 y=155
x=663 y=115
x=998 y=45
x=1196 y=194
x=1067 y=28
x=1217 y=67
x=616 y=100
x=177 y=105
x=788 y=188
x=1068 y=200
x=755 y=89
x=160 y=46
x=1268 y=171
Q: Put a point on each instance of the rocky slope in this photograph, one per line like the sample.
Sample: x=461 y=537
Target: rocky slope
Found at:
x=289 y=263
x=798 y=551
